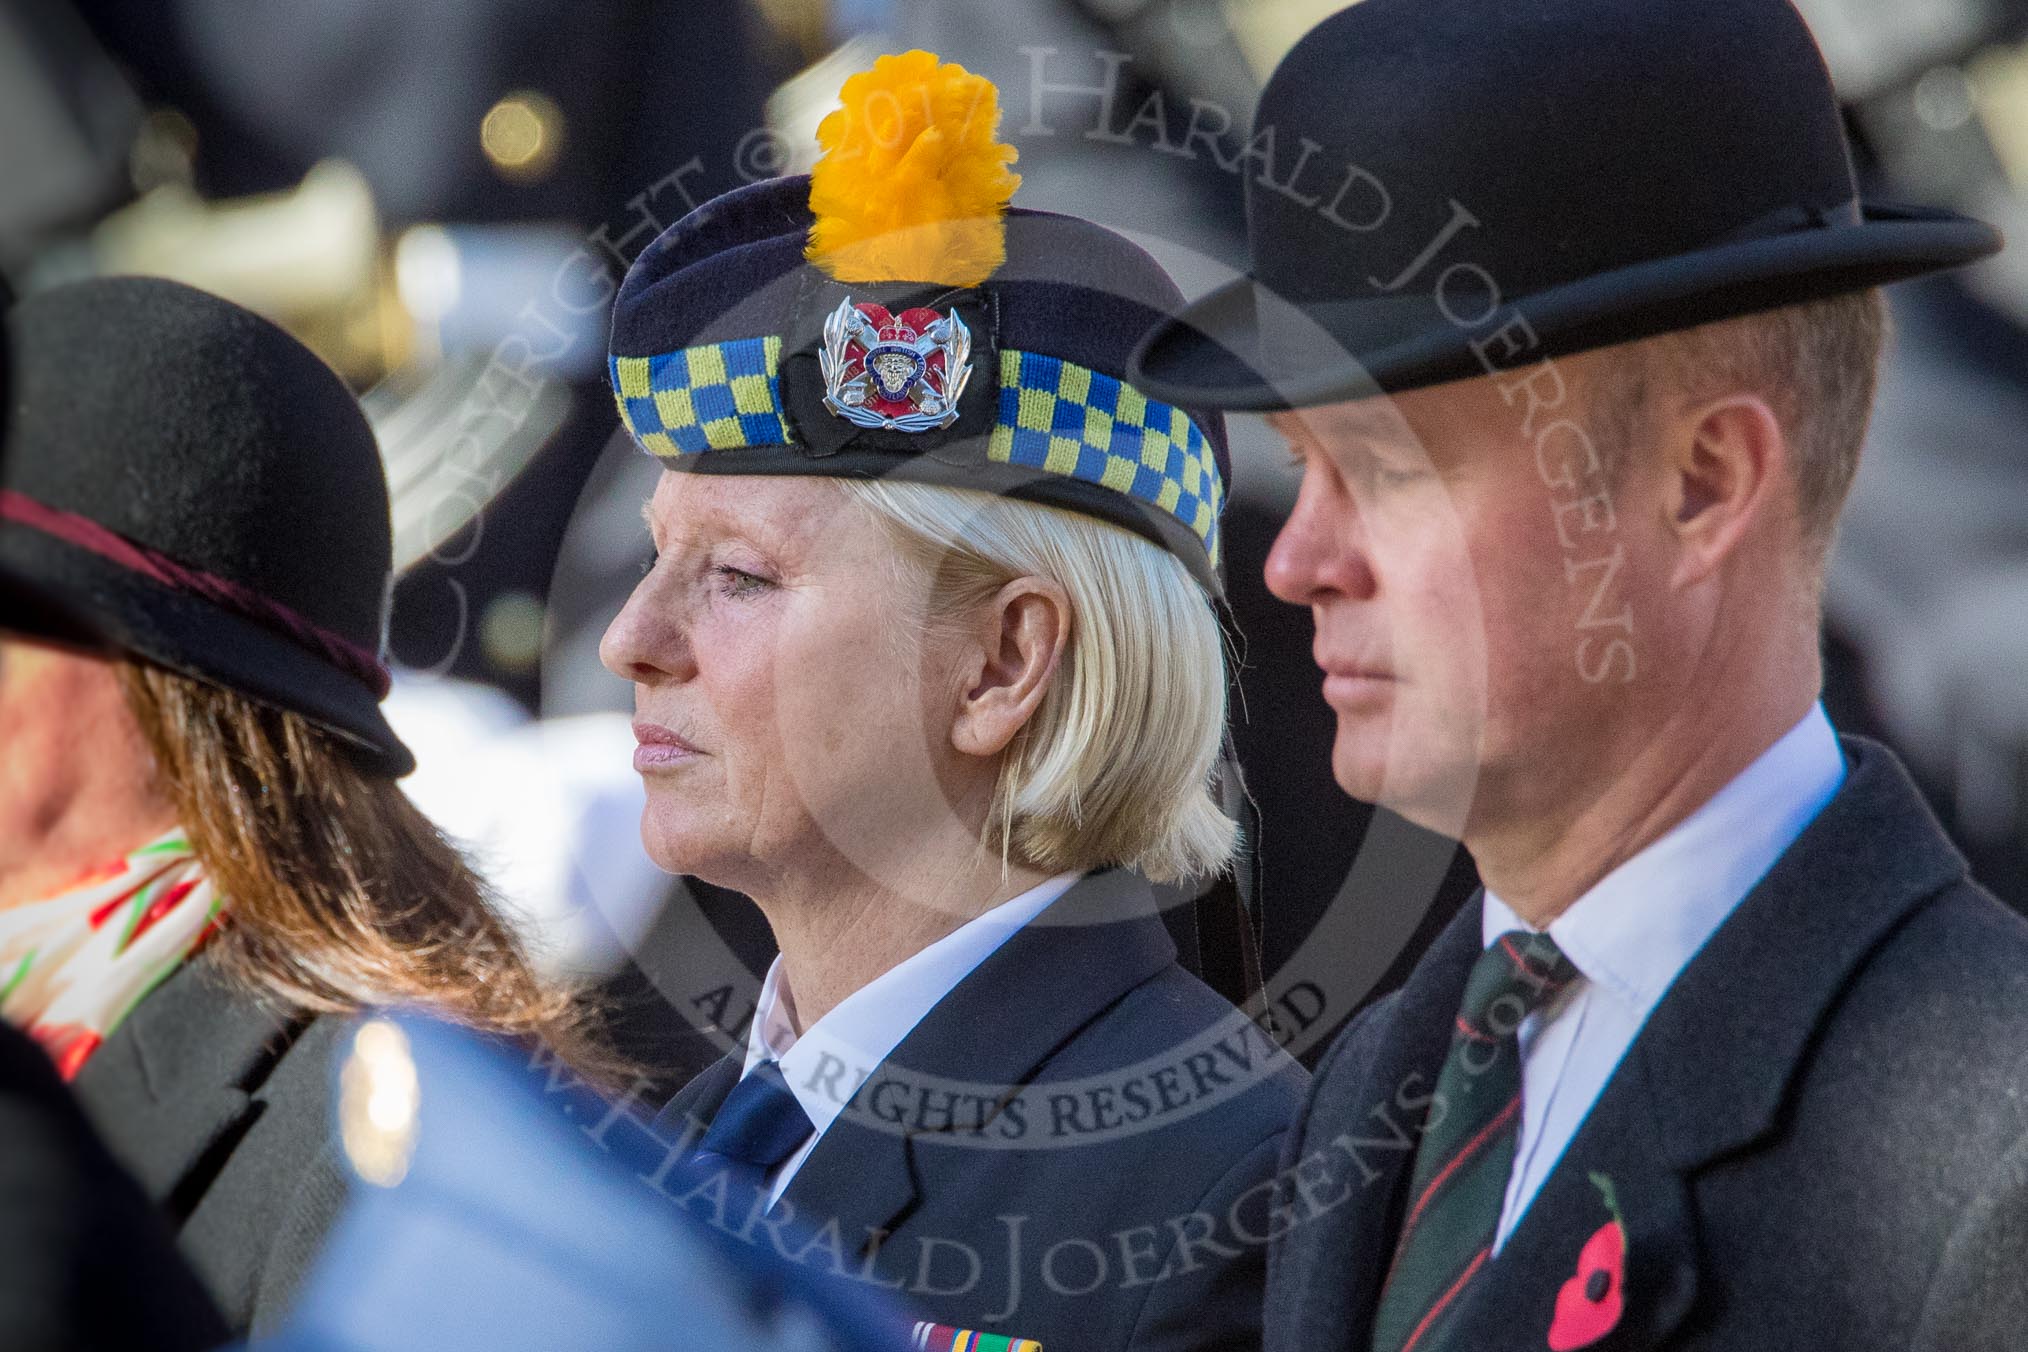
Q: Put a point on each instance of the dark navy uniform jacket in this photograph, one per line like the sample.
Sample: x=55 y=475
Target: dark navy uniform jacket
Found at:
x=1819 y=1139
x=1077 y=1145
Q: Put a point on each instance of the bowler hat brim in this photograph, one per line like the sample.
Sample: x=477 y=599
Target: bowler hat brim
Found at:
x=63 y=592
x=1243 y=348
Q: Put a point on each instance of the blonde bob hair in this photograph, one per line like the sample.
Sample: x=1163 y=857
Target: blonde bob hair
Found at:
x=1116 y=766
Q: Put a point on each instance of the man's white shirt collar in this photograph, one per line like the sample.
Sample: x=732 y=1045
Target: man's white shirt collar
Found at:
x=1636 y=930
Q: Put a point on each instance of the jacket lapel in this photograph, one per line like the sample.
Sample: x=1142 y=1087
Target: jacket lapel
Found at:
x=176 y=1080
x=1095 y=943
x=1710 y=1071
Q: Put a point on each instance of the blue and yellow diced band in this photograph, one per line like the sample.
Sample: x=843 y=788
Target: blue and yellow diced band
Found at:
x=1053 y=415
x=708 y=398
x=1071 y=420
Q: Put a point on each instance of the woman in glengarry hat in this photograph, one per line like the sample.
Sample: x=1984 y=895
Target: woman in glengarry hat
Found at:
x=928 y=665
x=204 y=851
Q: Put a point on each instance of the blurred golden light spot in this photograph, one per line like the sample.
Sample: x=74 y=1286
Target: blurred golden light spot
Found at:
x=2000 y=89
x=522 y=135
x=510 y=632
x=164 y=151
x=378 y=1098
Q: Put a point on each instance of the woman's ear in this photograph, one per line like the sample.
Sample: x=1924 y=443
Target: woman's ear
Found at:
x=1022 y=632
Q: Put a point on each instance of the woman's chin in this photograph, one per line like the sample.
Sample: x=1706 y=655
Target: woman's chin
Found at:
x=674 y=849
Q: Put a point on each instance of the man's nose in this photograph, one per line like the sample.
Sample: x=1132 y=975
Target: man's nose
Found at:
x=1321 y=551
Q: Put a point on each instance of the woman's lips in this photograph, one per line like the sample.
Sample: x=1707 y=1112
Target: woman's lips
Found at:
x=660 y=749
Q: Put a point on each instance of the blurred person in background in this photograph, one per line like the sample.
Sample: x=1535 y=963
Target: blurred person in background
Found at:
x=943 y=691
x=203 y=849
x=1927 y=583
x=85 y=1260
x=1731 y=1053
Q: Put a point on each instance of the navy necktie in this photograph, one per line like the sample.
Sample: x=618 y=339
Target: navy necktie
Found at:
x=759 y=1126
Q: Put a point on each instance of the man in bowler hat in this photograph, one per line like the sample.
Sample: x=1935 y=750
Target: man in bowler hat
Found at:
x=1569 y=311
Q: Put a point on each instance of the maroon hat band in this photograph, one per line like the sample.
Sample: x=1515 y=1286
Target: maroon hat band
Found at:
x=86 y=534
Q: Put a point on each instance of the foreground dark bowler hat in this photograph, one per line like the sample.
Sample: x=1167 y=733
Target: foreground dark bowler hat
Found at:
x=187 y=483
x=1605 y=170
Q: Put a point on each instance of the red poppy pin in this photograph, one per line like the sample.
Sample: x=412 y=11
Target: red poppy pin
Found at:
x=1590 y=1304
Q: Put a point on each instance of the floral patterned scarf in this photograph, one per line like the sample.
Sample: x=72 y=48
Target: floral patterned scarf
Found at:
x=74 y=965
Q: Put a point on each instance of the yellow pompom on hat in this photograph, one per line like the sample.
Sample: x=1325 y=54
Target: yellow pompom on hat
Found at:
x=892 y=315
x=914 y=183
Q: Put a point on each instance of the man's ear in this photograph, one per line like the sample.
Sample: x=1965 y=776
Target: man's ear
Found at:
x=1022 y=632
x=1727 y=466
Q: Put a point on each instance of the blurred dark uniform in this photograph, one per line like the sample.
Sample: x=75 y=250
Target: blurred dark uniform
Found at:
x=485 y=1220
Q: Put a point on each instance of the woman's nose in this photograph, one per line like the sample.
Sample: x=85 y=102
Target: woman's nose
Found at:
x=647 y=640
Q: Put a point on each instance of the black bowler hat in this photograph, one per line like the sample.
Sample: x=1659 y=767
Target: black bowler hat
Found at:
x=890 y=317
x=1538 y=177
x=187 y=483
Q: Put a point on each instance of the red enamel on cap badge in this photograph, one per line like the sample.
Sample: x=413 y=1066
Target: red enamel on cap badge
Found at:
x=901 y=372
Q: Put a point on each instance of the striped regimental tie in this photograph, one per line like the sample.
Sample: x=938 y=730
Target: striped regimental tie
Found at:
x=1466 y=1155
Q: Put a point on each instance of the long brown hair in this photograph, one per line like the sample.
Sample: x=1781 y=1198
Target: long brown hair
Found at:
x=341 y=893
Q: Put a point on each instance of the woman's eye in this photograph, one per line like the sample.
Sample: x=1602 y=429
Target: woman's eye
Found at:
x=736 y=582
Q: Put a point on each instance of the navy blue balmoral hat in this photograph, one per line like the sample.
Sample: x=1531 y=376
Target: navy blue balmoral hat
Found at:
x=187 y=483
x=1464 y=185
x=889 y=317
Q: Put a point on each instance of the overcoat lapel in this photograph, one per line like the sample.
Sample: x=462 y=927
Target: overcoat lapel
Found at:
x=1514 y=1303
x=1398 y=1049
x=1710 y=1071
x=1092 y=945
x=174 y=1084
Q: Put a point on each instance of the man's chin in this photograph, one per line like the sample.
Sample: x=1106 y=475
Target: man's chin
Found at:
x=1405 y=777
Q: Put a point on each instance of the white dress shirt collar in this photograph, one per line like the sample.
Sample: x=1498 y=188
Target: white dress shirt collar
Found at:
x=1636 y=930
x=867 y=1025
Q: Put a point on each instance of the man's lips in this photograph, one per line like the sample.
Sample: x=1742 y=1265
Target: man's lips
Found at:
x=1354 y=681
x=1352 y=666
x=660 y=748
